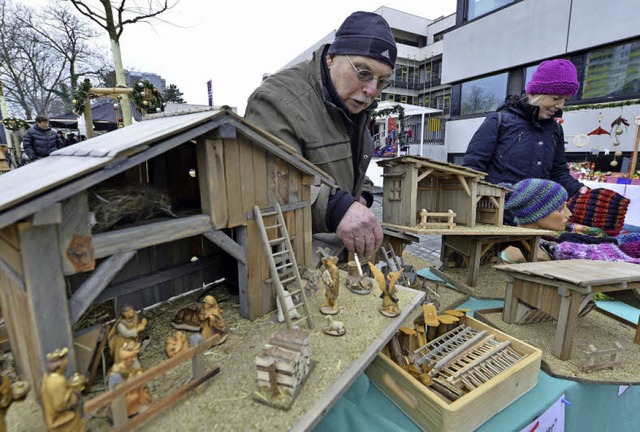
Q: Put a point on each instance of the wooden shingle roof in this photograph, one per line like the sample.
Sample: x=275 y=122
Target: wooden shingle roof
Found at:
x=426 y=163
x=67 y=171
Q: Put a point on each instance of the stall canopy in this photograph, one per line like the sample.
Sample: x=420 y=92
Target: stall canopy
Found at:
x=102 y=111
x=409 y=110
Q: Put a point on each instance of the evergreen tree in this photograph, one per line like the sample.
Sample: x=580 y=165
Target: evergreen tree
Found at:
x=173 y=94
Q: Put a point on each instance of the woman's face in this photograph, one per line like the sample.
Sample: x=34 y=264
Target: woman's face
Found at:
x=549 y=105
x=555 y=221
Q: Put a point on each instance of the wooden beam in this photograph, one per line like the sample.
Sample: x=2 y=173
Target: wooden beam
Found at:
x=129 y=239
x=423 y=175
x=48 y=216
x=98 y=281
x=154 y=278
x=463 y=182
x=227 y=244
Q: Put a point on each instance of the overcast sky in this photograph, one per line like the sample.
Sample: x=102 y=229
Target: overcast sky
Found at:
x=234 y=42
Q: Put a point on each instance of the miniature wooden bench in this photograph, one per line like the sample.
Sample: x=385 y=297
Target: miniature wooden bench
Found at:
x=556 y=288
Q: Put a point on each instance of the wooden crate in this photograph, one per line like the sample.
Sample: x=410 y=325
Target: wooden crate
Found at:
x=431 y=412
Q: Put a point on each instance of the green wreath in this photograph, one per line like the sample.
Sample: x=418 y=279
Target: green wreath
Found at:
x=80 y=95
x=147 y=97
x=14 y=123
x=396 y=109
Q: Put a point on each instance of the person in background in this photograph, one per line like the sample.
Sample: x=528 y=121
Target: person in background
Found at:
x=71 y=139
x=322 y=108
x=541 y=204
x=522 y=139
x=40 y=140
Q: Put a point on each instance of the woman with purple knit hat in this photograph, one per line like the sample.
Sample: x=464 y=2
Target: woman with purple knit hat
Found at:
x=522 y=139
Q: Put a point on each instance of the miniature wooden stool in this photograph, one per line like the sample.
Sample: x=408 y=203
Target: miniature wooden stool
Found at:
x=556 y=288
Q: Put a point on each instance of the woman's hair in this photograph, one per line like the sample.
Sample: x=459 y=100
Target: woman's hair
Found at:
x=535 y=99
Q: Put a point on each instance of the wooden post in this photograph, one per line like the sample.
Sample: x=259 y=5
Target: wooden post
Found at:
x=634 y=155
x=88 y=118
x=44 y=280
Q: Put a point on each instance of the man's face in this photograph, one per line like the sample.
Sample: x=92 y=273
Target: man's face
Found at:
x=43 y=124
x=357 y=95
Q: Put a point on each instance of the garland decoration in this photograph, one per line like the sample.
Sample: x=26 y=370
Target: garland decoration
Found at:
x=396 y=109
x=147 y=97
x=14 y=123
x=80 y=95
x=601 y=105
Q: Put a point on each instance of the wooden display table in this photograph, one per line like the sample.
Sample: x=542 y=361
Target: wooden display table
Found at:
x=473 y=242
x=556 y=288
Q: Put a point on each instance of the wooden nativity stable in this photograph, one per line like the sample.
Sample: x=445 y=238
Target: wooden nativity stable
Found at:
x=212 y=167
x=413 y=183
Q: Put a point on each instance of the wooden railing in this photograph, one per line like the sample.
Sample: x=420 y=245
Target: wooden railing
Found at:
x=116 y=397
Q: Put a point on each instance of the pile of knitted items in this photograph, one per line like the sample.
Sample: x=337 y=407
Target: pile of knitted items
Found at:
x=601 y=252
x=630 y=244
x=601 y=208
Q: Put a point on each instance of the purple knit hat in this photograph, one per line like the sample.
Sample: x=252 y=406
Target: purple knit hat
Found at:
x=554 y=77
x=535 y=199
x=365 y=34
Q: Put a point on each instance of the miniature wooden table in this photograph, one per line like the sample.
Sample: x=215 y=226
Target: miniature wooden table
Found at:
x=556 y=288
x=474 y=242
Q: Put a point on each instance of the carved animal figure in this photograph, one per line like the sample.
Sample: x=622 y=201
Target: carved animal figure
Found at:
x=187 y=319
x=336 y=327
x=331 y=278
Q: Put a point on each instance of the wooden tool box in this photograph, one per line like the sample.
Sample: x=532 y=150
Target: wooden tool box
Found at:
x=431 y=411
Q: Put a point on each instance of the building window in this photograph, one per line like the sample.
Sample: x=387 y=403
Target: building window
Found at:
x=612 y=71
x=403 y=99
x=477 y=8
x=438 y=37
x=483 y=95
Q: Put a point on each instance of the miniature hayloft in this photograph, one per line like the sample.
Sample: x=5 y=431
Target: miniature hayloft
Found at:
x=212 y=166
x=413 y=183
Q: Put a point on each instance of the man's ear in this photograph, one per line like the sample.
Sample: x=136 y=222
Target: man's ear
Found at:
x=330 y=60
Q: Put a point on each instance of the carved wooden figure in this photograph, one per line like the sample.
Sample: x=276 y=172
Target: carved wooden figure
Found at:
x=211 y=322
x=356 y=281
x=175 y=344
x=10 y=393
x=61 y=401
x=335 y=328
x=126 y=369
x=389 y=306
x=127 y=327
x=331 y=278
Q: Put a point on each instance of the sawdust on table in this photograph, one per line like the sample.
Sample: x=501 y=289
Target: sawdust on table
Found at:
x=224 y=402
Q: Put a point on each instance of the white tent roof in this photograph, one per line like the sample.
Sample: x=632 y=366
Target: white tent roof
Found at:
x=409 y=110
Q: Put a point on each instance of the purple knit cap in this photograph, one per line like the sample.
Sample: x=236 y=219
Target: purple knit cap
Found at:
x=554 y=77
x=535 y=199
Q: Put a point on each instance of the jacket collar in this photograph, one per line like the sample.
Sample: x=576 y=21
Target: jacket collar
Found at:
x=520 y=106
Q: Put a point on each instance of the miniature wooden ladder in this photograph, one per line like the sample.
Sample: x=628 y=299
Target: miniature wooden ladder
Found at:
x=394 y=262
x=282 y=263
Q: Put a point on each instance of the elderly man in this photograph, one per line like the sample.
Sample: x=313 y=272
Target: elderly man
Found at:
x=322 y=108
x=40 y=140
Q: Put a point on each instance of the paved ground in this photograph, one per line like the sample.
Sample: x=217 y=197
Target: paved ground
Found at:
x=429 y=246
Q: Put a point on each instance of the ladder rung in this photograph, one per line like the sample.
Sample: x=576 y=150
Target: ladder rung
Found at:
x=267 y=214
x=285 y=265
x=286 y=281
x=276 y=241
x=272 y=226
x=286 y=251
x=295 y=292
x=297 y=320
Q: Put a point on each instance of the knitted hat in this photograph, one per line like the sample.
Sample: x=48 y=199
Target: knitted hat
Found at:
x=601 y=208
x=535 y=199
x=365 y=34
x=554 y=77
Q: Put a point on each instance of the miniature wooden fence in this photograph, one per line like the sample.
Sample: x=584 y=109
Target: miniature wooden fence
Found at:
x=602 y=359
x=425 y=215
x=116 y=397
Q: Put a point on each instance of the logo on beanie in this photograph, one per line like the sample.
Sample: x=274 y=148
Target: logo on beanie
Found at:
x=385 y=54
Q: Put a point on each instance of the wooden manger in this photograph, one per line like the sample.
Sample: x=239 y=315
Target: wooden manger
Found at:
x=427 y=219
x=602 y=359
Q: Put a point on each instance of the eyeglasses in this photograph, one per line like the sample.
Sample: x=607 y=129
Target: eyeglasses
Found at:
x=365 y=76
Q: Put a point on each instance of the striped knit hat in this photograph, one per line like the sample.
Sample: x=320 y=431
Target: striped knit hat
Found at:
x=600 y=207
x=535 y=199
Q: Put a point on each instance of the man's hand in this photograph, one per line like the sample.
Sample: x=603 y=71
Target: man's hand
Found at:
x=360 y=231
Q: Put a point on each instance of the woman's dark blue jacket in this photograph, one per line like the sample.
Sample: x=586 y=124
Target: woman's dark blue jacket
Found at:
x=523 y=147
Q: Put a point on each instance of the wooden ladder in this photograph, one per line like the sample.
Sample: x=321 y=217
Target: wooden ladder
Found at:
x=394 y=262
x=283 y=266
